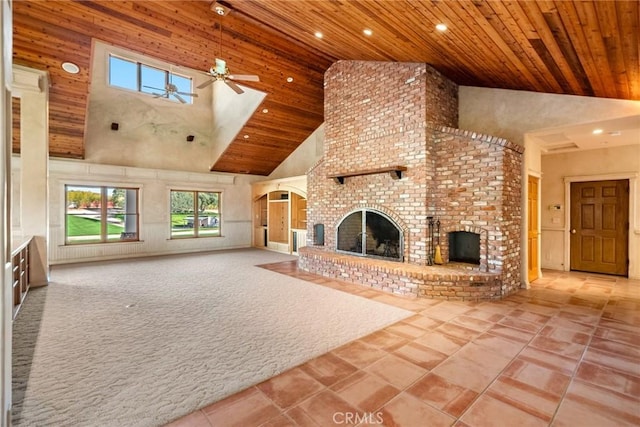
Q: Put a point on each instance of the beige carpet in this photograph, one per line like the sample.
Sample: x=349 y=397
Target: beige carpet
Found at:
x=142 y=342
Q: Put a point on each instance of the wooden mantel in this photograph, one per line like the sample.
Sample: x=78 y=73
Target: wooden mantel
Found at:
x=395 y=171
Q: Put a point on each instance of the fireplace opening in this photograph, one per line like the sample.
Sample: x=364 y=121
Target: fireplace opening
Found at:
x=370 y=233
x=464 y=246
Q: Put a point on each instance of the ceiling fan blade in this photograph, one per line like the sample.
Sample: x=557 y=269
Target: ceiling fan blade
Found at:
x=195 y=95
x=234 y=86
x=158 y=95
x=205 y=84
x=245 y=77
x=154 y=88
x=179 y=98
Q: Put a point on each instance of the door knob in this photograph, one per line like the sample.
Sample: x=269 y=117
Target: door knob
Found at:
x=573 y=231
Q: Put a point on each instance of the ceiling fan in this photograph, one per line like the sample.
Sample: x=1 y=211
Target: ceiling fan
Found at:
x=220 y=72
x=171 y=90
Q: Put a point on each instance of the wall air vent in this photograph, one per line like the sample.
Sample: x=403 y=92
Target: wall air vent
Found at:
x=561 y=147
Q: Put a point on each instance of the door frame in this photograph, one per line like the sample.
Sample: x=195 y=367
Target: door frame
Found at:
x=634 y=215
x=525 y=245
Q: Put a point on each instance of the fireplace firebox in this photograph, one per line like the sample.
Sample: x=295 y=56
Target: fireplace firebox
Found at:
x=370 y=233
x=464 y=246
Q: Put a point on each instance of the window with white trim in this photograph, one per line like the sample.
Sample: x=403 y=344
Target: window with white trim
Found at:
x=100 y=214
x=140 y=77
x=195 y=214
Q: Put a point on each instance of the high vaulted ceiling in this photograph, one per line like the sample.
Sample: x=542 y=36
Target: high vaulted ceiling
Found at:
x=588 y=48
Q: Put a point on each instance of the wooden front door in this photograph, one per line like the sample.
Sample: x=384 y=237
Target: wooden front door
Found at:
x=600 y=226
x=532 y=229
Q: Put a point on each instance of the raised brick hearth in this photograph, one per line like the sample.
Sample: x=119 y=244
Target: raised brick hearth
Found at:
x=400 y=119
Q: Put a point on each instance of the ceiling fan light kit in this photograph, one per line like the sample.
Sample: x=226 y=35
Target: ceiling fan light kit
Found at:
x=219 y=70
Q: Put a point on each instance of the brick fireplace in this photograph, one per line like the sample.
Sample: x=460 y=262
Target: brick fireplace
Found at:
x=392 y=148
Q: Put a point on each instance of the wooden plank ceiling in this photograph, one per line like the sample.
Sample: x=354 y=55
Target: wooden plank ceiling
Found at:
x=587 y=48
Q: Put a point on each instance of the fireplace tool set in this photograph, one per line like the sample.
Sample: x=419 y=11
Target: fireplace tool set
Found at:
x=433 y=253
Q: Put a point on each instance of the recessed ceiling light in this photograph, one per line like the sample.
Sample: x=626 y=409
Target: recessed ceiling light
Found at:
x=265 y=110
x=367 y=32
x=597 y=131
x=441 y=27
x=218 y=8
x=289 y=79
x=70 y=67
x=318 y=34
x=246 y=137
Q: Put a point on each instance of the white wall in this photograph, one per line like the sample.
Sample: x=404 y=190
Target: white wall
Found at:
x=511 y=114
x=155 y=185
x=6 y=291
x=599 y=164
x=153 y=131
x=303 y=158
x=514 y=114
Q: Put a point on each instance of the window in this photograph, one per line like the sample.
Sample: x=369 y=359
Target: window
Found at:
x=144 y=78
x=195 y=214
x=97 y=214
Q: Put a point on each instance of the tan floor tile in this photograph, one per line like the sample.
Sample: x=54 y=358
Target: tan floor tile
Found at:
x=408 y=411
x=528 y=316
x=482 y=313
x=359 y=354
x=328 y=368
x=525 y=397
x=562 y=322
x=249 y=407
x=472 y=323
x=566 y=335
x=420 y=355
x=464 y=373
x=396 y=371
x=609 y=379
x=505 y=346
x=446 y=311
x=545 y=308
x=549 y=360
x=290 y=388
x=588 y=301
x=280 y=421
x=194 y=419
x=548 y=380
x=618 y=348
x=444 y=395
x=369 y=393
x=484 y=358
x=487 y=411
x=325 y=407
x=629 y=317
x=458 y=331
x=511 y=333
x=301 y=418
x=618 y=336
x=523 y=325
x=570 y=350
x=441 y=342
x=423 y=322
x=384 y=340
x=586 y=404
x=615 y=361
x=406 y=330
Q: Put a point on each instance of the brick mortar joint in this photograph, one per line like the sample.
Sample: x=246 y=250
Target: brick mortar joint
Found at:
x=503 y=142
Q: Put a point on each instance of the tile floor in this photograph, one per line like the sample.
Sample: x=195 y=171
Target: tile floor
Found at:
x=564 y=353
